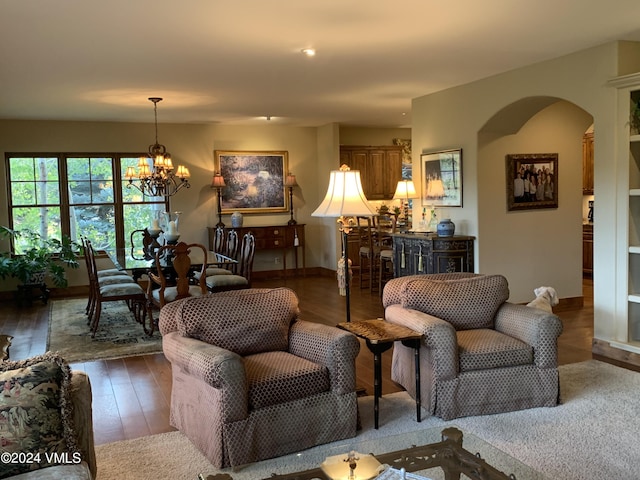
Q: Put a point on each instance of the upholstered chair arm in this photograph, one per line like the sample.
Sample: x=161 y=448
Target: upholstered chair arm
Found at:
x=438 y=336
x=329 y=346
x=218 y=367
x=83 y=417
x=169 y=315
x=533 y=326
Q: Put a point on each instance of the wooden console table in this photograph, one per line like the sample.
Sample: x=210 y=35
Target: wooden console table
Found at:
x=419 y=253
x=274 y=237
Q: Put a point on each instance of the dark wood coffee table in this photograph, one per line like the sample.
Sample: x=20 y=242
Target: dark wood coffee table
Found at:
x=379 y=336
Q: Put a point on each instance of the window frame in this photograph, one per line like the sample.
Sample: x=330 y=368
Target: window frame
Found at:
x=63 y=185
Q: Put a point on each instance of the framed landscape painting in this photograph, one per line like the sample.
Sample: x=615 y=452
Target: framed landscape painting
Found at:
x=532 y=181
x=254 y=181
x=442 y=178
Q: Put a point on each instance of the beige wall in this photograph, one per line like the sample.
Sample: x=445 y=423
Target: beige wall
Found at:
x=193 y=146
x=455 y=118
x=313 y=153
x=372 y=136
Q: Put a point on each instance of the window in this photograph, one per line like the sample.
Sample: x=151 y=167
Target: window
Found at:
x=78 y=195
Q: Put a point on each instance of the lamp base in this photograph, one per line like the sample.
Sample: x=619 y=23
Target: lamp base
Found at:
x=292 y=222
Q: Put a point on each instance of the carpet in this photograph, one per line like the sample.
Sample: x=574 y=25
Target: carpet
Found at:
x=593 y=435
x=118 y=335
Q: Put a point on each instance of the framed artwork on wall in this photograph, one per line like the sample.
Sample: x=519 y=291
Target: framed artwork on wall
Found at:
x=254 y=181
x=532 y=181
x=442 y=178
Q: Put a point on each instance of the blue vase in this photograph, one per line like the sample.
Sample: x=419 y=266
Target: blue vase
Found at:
x=446 y=228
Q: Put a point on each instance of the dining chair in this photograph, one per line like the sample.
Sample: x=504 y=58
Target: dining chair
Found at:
x=109 y=276
x=367 y=252
x=242 y=279
x=142 y=245
x=227 y=246
x=386 y=226
x=110 y=289
x=172 y=278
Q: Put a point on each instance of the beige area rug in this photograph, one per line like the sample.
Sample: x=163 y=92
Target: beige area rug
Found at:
x=118 y=335
x=592 y=435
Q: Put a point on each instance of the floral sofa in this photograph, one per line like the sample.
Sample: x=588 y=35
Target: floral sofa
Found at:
x=46 y=425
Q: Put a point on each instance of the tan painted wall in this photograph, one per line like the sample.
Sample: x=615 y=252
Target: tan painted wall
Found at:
x=454 y=118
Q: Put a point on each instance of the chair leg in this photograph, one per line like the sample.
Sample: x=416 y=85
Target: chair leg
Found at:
x=96 y=320
x=148 y=314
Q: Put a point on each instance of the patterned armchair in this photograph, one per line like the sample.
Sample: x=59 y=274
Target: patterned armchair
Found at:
x=481 y=355
x=252 y=381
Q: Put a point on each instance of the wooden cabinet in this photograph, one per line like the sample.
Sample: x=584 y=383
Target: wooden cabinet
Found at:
x=380 y=168
x=587 y=164
x=587 y=250
x=274 y=237
x=415 y=254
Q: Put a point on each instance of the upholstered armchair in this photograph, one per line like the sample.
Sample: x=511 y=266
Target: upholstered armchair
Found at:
x=252 y=381
x=480 y=354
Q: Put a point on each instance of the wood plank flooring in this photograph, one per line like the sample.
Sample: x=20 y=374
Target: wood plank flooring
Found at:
x=131 y=396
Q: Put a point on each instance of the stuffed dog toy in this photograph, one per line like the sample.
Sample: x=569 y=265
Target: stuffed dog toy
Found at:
x=546 y=297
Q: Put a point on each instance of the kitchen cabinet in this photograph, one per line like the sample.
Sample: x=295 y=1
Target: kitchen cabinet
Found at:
x=380 y=168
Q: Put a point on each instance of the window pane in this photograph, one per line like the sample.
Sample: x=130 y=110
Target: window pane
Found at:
x=21 y=169
x=43 y=220
x=78 y=169
x=23 y=193
x=90 y=180
x=47 y=193
x=97 y=222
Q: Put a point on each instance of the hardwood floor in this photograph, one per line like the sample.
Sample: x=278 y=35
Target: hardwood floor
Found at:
x=131 y=396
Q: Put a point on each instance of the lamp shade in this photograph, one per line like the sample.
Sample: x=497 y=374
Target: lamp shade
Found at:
x=405 y=190
x=344 y=196
x=218 y=181
x=290 y=181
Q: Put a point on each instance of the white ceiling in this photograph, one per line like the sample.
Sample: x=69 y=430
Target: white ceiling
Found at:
x=237 y=61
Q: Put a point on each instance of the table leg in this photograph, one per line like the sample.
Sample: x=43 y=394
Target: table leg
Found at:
x=377 y=349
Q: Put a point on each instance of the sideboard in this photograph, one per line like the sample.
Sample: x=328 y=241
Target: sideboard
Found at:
x=421 y=253
x=274 y=237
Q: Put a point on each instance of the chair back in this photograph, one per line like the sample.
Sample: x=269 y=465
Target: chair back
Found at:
x=385 y=226
x=181 y=276
x=141 y=245
x=247 y=252
x=366 y=231
x=218 y=240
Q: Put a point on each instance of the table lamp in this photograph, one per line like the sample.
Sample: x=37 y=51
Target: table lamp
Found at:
x=291 y=182
x=218 y=183
x=345 y=200
x=404 y=191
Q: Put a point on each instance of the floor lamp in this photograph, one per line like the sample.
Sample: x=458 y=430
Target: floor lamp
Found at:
x=218 y=184
x=290 y=182
x=345 y=200
x=404 y=191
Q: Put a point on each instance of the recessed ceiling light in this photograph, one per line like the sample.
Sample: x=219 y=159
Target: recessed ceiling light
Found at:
x=309 y=52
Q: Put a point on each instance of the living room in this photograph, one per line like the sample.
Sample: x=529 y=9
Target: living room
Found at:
x=533 y=108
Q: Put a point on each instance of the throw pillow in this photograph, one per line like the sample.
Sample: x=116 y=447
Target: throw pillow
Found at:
x=243 y=321
x=36 y=427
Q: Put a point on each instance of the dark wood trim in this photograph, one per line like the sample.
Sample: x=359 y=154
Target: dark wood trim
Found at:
x=602 y=350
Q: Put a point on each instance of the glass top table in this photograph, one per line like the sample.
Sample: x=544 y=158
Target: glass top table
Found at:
x=435 y=453
x=123 y=259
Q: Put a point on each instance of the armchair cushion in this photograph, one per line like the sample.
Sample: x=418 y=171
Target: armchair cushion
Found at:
x=482 y=349
x=280 y=377
x=36 y=412
x=465 y=303
x=229 y=319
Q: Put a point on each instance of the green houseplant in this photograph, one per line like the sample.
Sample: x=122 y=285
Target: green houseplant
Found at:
x=41 y=258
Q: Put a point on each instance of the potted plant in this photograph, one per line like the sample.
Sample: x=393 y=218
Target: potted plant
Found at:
x=40 y=259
